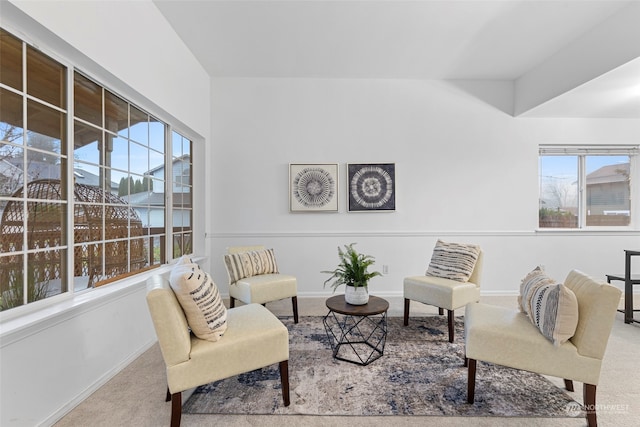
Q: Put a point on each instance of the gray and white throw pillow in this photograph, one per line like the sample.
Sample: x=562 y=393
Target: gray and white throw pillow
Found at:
x=250 y=263
x=454 y=261
x=550 y=306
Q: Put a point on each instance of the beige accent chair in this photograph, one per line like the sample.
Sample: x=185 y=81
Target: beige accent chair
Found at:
x=446 y=294
x=263 y=288
x=254 y=338
x=507 y=337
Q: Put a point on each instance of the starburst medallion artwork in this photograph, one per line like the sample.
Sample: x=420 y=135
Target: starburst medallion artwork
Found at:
x=313 y=187
x=372 y=187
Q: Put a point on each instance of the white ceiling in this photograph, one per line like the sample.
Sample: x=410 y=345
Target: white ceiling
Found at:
x=428 y=39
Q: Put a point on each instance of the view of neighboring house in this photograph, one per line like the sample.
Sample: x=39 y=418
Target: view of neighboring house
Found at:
x=608 y=191
x=150 y=204
x=11 y=176
x=87 y=178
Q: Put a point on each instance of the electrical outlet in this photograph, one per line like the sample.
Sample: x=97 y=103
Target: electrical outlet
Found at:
x=385 y=269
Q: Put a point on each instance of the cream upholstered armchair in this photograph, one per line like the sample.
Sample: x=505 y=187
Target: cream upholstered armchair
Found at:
x=444 y=293
x=254 y=338
x=254 y=277
x=508 y=337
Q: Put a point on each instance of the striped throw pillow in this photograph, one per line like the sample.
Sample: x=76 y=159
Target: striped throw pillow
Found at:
x=551 y=306
x=535 y=278
x=200 y=300
x=454 y=261
x=250 y=263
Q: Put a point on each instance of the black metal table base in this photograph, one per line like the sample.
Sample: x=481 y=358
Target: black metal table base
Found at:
x=630 y=280
x=628 y=318
x=356 y=339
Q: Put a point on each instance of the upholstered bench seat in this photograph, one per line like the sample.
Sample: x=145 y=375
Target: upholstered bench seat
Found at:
x=522 y=346
x=444 y=293
x=260 y=289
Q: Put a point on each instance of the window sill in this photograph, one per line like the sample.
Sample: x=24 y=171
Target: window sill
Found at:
x=18 y=324
x=616 y=231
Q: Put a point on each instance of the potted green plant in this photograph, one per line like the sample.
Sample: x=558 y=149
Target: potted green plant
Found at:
x=352 y=271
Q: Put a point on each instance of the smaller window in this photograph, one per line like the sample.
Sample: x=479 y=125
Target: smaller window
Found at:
x=586 y=186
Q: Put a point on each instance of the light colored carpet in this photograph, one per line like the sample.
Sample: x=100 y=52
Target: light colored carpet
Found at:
x=136 y=396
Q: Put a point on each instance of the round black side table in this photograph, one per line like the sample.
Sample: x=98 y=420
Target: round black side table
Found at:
x=357 y=333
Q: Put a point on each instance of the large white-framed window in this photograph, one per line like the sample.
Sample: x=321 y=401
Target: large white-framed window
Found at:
x=588 y=186
x=87 y=181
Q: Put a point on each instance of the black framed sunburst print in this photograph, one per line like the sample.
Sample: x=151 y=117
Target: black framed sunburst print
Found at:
x=372 y=187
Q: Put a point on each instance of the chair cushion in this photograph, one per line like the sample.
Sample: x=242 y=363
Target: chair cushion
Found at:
x=550 y=306
x=250 y=263
x=454 y=261
x=444 y=293
x=255 y=338
x=264 y=288
x=506 y=337
x=199 y=298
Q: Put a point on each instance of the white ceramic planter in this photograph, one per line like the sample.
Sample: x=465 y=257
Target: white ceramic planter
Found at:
x=356 y=296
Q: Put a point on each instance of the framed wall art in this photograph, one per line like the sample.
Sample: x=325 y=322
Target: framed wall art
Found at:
x=313 y=187
x=372 y=187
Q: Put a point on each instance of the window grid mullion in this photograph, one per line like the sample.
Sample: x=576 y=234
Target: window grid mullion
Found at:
x=67 y=275
x=582 y=202
x=25 y=154
x=168 y=194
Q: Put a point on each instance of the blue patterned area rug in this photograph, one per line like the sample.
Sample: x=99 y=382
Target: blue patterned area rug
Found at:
x=420 y=373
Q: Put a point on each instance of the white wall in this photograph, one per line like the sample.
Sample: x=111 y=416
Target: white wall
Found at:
x=465 y=171
x=51 y=360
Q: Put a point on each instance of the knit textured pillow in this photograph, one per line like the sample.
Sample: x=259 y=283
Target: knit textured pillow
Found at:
x=200 y=300
x=551 y=306
x=535 y=278
x=250 y=263
x=454 y=261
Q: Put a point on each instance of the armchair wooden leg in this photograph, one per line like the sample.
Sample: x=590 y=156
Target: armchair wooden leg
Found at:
x=294 y=304
x=568 y=384
x=589 y=399
x=450 y=319
x=440 y=311
x=232 y=302
x=406 y=311
x=471 y=380
x=284 y=380
x=176 y=409
x=466 y=362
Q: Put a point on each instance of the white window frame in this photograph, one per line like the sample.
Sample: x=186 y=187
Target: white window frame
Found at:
x=18 y=317
x=581 y=152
